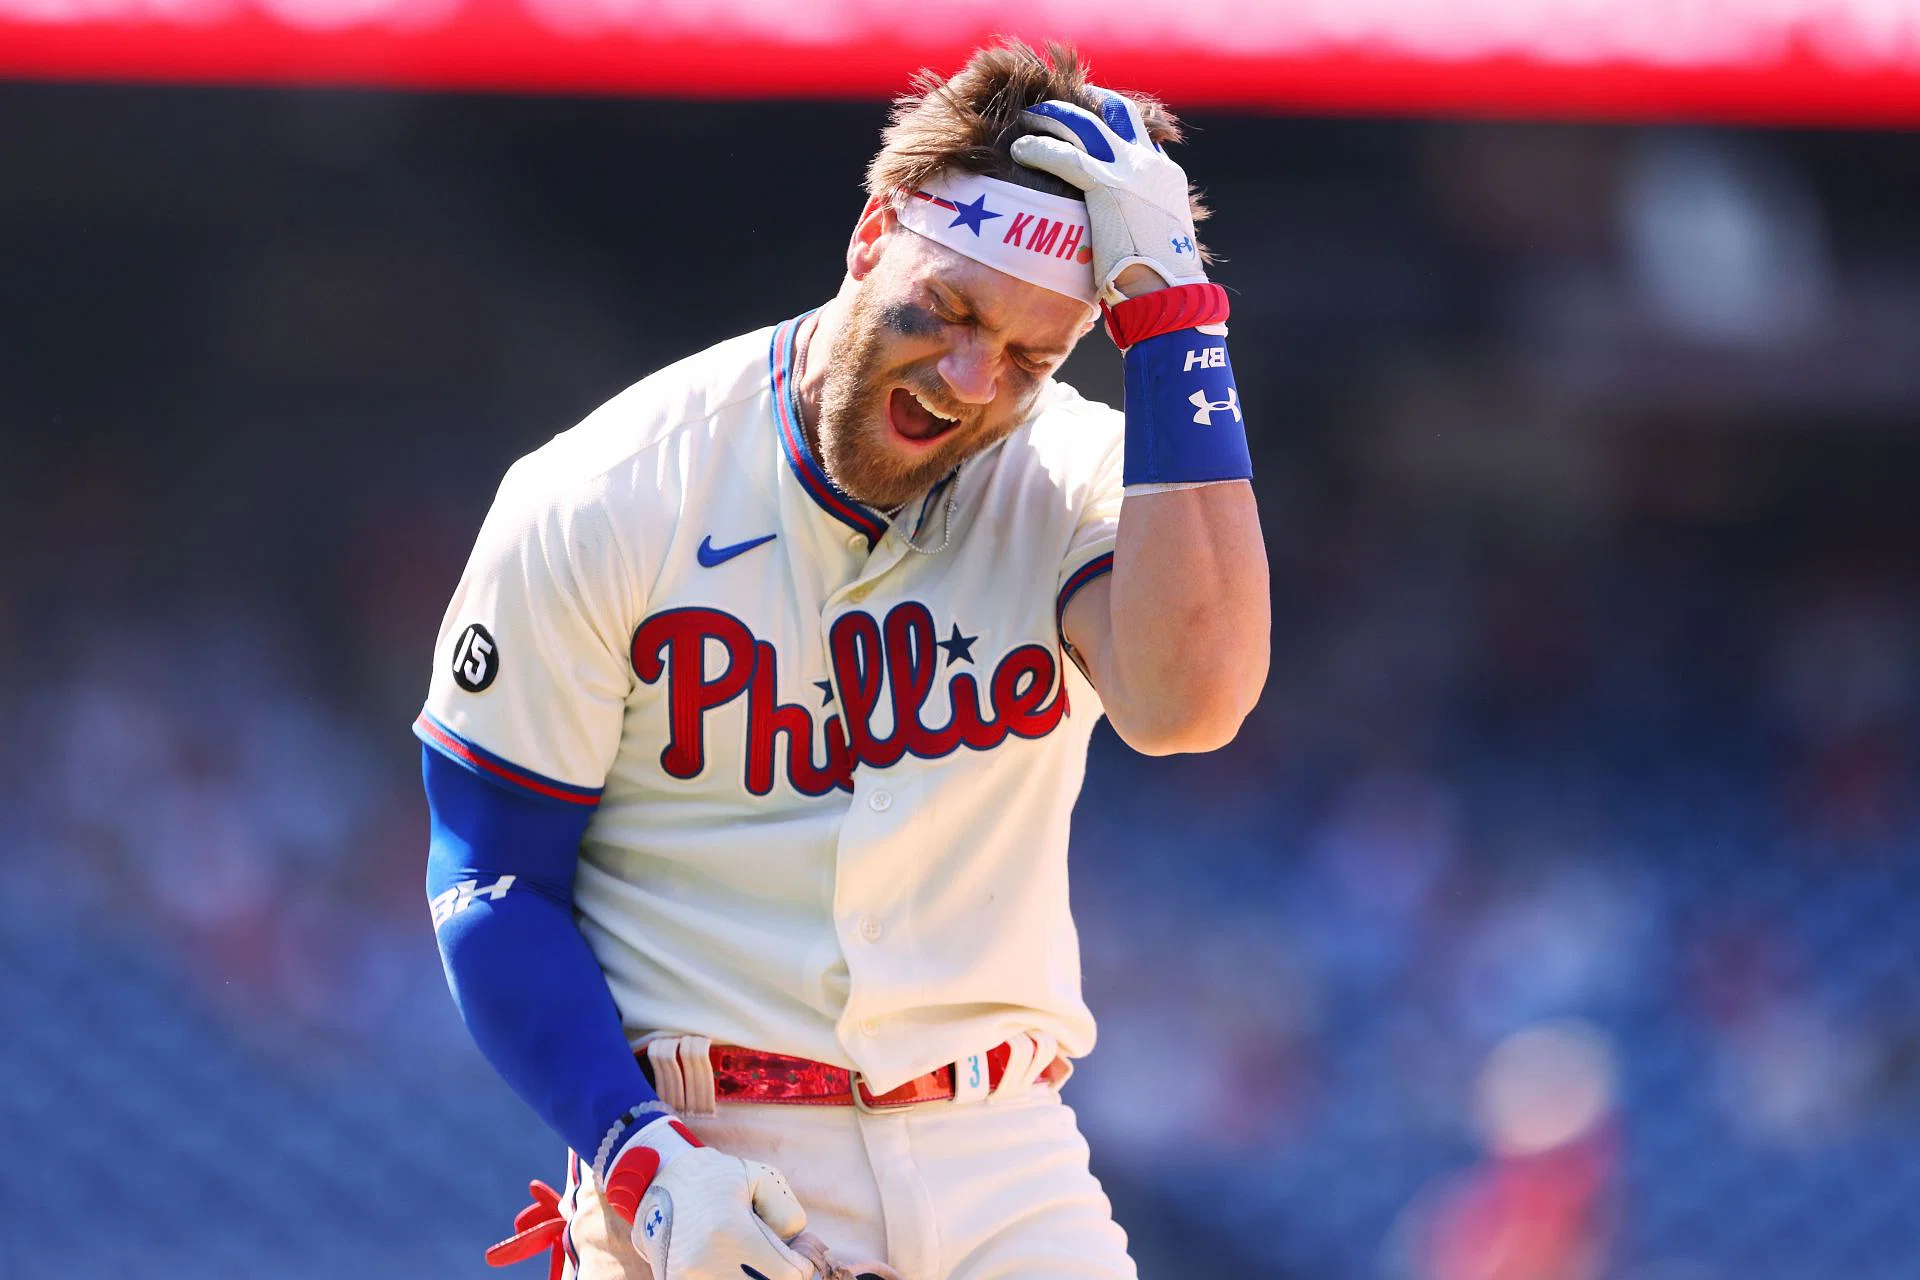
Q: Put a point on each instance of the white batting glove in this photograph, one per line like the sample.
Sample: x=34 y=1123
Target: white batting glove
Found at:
x=1136 y=196
x=701 y=1215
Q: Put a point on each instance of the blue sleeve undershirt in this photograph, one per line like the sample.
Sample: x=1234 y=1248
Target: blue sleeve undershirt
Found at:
x=526 y=983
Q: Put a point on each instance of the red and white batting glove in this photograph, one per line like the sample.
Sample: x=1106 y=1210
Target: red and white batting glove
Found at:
x=701 y=1215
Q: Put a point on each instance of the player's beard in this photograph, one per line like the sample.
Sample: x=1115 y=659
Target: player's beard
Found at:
x=857 y=445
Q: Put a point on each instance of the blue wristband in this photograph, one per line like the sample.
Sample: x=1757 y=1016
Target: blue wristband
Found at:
x=1183 y=412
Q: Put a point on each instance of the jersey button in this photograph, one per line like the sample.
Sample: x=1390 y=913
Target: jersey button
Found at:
x=857 y=542
x=880 y=801
x=868 y=1027
x=870 y=929
x=860 y=593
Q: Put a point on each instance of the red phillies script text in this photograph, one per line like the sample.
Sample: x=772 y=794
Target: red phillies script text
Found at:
x=895 y=661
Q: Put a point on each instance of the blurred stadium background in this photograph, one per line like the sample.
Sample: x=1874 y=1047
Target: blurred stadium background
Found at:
x=1554 y=918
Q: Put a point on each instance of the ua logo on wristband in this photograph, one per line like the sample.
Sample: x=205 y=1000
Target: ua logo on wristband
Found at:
x=1207 y=408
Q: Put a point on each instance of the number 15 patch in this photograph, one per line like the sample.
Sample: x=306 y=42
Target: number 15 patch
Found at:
x=476 y=659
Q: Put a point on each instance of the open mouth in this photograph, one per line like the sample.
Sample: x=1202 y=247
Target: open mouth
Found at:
x=911 y=418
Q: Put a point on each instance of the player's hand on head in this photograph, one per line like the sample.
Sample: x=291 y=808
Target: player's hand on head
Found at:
x=699 y=1214
x=1137 y=198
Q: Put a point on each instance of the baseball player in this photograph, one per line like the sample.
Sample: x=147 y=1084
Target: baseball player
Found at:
x=759 y=711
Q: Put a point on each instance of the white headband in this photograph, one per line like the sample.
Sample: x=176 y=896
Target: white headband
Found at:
x=1040 y=238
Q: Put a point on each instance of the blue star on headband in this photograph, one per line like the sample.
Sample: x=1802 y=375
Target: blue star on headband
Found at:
x=972 y=214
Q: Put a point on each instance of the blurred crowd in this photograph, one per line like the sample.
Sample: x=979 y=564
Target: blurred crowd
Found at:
x=1551 y=919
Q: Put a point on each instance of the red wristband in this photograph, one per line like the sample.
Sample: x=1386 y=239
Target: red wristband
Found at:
x=1180 y=306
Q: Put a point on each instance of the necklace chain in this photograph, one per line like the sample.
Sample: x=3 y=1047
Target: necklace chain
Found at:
x=953 y=492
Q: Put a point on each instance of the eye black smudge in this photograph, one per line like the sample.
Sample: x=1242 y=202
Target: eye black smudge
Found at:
x=908 y=320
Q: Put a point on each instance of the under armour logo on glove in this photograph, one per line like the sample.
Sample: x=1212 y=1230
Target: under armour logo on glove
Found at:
x=699 y=1214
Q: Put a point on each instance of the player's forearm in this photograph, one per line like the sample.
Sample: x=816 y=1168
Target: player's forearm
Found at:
x=1189 y=618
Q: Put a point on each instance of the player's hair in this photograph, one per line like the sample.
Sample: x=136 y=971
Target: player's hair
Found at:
x=969 y=121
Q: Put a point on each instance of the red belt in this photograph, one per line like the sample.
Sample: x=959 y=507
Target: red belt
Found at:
x=748 y=1075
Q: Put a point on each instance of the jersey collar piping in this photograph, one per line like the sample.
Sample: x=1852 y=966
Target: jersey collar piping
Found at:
x=806 y=468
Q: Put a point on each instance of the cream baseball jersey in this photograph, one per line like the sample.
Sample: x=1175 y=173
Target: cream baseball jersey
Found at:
x=831 y=755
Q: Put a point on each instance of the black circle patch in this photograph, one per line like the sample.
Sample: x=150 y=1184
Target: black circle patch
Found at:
x=476 y=659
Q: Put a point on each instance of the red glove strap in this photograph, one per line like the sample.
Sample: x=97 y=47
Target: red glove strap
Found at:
x=629 y=1179
x=538 y=1226
x=1180 y=306
x=634 y=1172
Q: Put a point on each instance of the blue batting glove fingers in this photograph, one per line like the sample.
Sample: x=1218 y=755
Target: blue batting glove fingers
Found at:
x=1073 y=124
x=1122 y=115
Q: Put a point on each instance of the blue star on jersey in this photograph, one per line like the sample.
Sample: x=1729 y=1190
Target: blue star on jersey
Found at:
x=972 y=214
x=959 y=648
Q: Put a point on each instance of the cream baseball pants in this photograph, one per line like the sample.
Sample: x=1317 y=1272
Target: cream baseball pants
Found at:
x=997 y=1190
